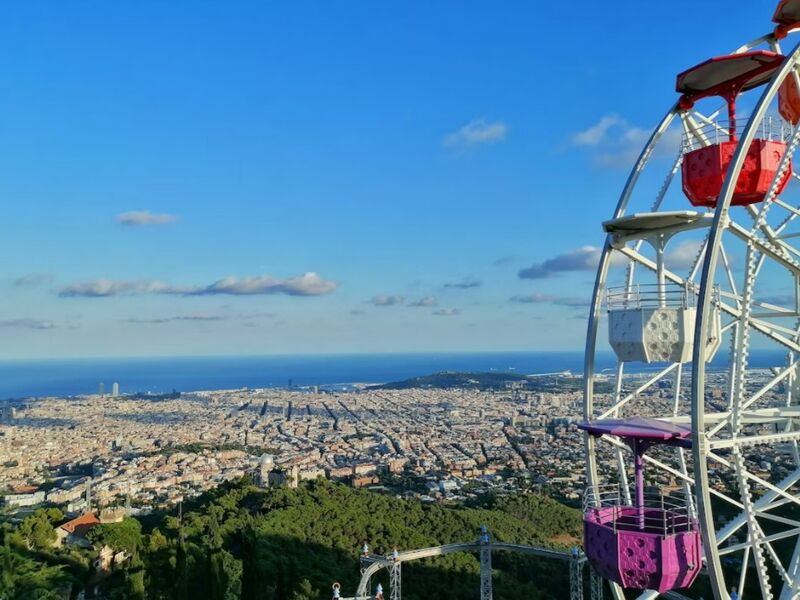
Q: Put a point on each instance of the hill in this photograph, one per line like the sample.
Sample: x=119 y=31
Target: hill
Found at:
x=493 y=380
x=244 y=542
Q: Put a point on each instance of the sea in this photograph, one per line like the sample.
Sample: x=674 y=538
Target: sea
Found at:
x=72 y=377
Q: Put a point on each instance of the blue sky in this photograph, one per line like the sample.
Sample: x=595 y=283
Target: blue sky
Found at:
x=253 y=178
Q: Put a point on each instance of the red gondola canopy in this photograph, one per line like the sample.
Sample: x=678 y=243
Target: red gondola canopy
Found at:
x=728 y=75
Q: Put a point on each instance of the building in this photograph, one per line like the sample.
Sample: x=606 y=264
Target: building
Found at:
x=74 y=531
x=265 y=466
x=7 y=414
x=448 y=486
x=114 y=389
x=290 y=478
x=19 y=500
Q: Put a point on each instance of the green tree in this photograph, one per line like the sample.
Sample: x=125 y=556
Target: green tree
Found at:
x=37 y=531
x=305 y=591
x=125 y=535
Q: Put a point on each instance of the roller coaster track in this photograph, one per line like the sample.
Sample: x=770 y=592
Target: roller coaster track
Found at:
x=376 y=562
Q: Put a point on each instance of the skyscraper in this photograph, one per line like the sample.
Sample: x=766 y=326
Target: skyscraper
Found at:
x=115 y=389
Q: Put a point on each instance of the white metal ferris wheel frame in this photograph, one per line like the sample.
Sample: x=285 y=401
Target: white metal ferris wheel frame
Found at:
x=713 y=253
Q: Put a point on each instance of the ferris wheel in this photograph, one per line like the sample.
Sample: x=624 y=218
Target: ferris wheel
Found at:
x=693 y=433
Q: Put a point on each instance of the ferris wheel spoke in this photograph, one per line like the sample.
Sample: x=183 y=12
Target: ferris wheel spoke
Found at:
x=778 y=378
x=748 y=476
x=793 y=214
x=614 y=409
x=728 y=272
x=675 y=472
x=755 y=533
x=766 y=329
x=774 y=326
x=775 y=537
x=764 y=503
x=776 y=560
x=770 y=234
x=769 y=331
x=765 y=247
x=676 y=165
x=790 y=589
x=756 y=440
x=695 y=130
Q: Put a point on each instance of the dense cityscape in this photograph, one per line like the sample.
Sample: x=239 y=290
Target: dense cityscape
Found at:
x=154 y=452
x=434 y=444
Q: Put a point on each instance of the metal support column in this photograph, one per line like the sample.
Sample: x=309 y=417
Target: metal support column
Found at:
x=595 y=585
x=486 y=565
x=395 y=581
x=576 y=575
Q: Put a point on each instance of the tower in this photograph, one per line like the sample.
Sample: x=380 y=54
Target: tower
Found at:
x=265 y=465
x=115 y=389
x=102 y=390
x=89 y=495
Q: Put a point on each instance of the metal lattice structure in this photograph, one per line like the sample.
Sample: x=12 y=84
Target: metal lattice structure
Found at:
x=486 y=565
x=728 y=367
x=395 y=580
x=371 y=564
x=596 y=585
x=576 y=565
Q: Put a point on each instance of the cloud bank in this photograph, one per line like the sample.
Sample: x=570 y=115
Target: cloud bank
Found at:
x=466 y=284
x=426 y=301
x=386 y=300
x=615 y=143
x=143 y=218
x=585 y=258
x=308 y=284
x=570 y=301
x=27 y=323
x=32 y=280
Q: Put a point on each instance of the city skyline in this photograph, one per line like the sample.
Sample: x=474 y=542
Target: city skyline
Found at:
x=187 y=179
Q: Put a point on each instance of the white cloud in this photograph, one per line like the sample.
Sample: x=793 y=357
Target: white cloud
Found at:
x=101 y=288
x=27 y=323
x=386 y=300
x=570 y=301
x=504 y=260
x=447 y=312
x=597 y=132
x=141 y=218
x=32 y=280
x=616 y=144
x=683 y=255
x=465 y=284
x=585 y=258
x=308 y=284
x=426 y=301
x=158 y=320
x=476 y=132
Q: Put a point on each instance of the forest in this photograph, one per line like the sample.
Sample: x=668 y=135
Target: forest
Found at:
x=241 y=541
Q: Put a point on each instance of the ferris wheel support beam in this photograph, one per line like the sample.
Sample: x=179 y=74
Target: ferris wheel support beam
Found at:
x=790 y=591
x=682 y=476
x=765 y=329
x=594 y=314
x=700 y=443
